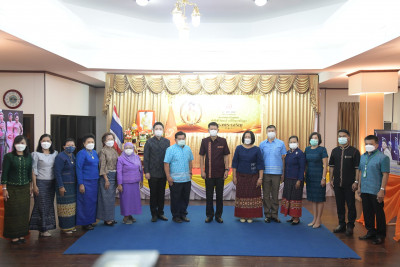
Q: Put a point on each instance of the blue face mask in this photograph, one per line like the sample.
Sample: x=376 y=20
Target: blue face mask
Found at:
x=314 y=142
x=69 y=149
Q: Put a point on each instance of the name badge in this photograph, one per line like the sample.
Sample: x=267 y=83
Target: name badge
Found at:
x=220 y=146
x=348 y=157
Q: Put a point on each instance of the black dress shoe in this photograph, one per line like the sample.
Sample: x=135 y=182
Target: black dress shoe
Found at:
x=276 y=220
x=295 y=223
x=185 y=219
x=88 y=227
x=209 y=219
x=154 y=218
x=219 y=220
x=349 y=231
x=162 y=217
x=267 y=220
x=378 y=241
x=339 y=229
x=367 y=236
x=177 y=219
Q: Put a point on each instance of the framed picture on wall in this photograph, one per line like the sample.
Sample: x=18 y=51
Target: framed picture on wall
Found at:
x=145 y=120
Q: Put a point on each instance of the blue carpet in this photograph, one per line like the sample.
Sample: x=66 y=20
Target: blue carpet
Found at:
x=232 y=238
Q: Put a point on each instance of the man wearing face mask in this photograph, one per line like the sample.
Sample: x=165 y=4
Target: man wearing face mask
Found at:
x=153 y=162
x=214 y=153
x=343 y=165
x=373 y=175
x=178 y=168
x=274 y=152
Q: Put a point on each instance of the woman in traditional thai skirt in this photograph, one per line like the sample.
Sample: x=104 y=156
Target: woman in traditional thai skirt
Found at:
x=108 y=157
x=64 y=172
x=16 y=179
x=295 y=163
x=43 y=217
x=87 y=174
x=248 y=167
x=130 y=179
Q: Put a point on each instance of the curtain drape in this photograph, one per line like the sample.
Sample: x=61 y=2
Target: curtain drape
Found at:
x=289 y=102
x=348 y=118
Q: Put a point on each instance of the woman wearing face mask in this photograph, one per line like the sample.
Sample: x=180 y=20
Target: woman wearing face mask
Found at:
x=130 y=178
x=248 y=167
x=16 y=179
x=316 y=168
x=43 y=216
x=64 y=172
x=108 y=157
x=87 y=174
x=292 y=196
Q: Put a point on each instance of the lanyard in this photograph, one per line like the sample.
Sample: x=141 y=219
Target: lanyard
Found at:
x=366 y=163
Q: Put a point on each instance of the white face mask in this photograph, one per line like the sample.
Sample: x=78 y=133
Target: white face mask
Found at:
x=247 y=141
x=158 y=133
x=20 y=147
x=45 y=145
x=213 y=132
x=271 y=135
x=181 y=142
x=128 y=151
x=90 y=146
x=293 y=145
x=369 y=148
x=342 y=140
x=110 y=143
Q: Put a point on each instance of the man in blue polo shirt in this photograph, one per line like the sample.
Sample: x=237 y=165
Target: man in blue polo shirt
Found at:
x=372 y=178
x=178 y=168
x=274 y=152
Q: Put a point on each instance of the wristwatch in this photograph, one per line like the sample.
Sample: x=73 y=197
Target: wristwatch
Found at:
x=383 y=189
x=226 y=169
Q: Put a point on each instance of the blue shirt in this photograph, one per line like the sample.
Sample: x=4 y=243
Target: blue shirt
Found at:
x=295 y=164
x=272 y=153
x=178 y=159
x=248 y=160
x=372 y=168
x=87 y=167
x=64 y=169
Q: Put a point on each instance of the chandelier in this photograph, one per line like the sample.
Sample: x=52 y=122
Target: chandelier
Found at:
x=179 y=16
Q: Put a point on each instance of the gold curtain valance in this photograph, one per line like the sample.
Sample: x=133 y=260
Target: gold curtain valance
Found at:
x=213 y=84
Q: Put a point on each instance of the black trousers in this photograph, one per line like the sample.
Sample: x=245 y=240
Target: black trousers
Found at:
x=157 y=193
x=345 y=195
x=180 y=193
x=218 y=183
x=372 y=210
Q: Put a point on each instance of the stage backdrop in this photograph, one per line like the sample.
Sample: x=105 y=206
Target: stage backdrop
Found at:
x=290 y=102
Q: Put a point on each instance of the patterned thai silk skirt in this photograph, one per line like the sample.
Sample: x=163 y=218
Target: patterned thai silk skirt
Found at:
x=292 y=198
x=248 y=202
x=66 y=207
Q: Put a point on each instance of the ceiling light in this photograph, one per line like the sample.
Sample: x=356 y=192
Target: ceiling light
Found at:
x=142 y=2
x=260 y=2
x=179 y=16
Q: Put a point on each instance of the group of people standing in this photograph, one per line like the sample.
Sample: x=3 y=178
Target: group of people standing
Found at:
x=8 y=131
x=85 y=185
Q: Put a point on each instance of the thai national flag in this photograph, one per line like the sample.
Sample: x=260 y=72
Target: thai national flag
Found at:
x=116 y=129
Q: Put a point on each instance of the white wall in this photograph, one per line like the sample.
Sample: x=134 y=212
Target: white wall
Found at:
x=31 y=86
x=329 y=114
x=392 y=110
x=101 y=118
x=45 y=95
x=65 y=97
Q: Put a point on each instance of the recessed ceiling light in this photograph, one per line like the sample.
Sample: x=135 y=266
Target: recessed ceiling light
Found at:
x=142 y=2
x=260 y=2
